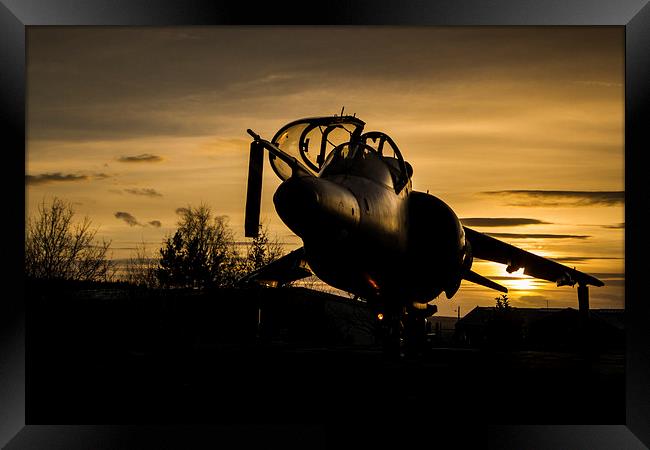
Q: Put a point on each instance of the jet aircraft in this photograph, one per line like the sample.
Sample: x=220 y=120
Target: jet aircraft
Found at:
x=348 y=195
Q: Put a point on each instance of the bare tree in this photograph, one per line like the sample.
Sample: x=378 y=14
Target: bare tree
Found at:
x=263 y=250
x=141 y=268
x=56 y=248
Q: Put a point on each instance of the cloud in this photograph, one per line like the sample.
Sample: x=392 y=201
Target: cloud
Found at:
x=537 y=236
x=579 y=259
x=534 y=301
x=610 y=275
x=53 y=177
x=196 y=80
x=144 y=157
x=532 y=198
x=617 y=226
x=510 y=278
x=45 y=178
x=598 y=83
x=132 y=221
x=128 y=218
x=181 y=210
x=144 y=191
x=500 y=221
x=182 y=36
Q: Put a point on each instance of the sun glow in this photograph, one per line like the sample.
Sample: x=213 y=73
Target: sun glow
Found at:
x=521 y=284
x=517 y=281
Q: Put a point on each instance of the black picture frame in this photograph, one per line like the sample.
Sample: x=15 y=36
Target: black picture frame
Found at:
x=15 y=15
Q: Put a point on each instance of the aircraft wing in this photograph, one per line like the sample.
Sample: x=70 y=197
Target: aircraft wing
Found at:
x=290 y=267
x=491 y=249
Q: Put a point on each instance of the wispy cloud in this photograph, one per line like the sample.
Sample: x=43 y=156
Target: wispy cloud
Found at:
x=144 y=157
x=183 y=36
x=579 y=259
x=132 y=221
x=533 y=301
x=532 y=198
x=617 y=226
x=610 y=275
x=599 y=83
x=53 y=178
x=510 y=278
x=537 y=236
x=500 y=221
x=128 y=218
x=148 y=192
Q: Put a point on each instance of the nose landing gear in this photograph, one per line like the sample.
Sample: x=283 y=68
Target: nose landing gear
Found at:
x=404 y=330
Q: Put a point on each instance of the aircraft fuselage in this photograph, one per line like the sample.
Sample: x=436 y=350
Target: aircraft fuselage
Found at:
x=362 y=236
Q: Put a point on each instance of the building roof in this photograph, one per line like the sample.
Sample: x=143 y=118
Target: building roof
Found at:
x=482 y=314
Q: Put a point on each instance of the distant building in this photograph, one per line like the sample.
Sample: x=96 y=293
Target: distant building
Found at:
x=441 y=330
x=541 y=328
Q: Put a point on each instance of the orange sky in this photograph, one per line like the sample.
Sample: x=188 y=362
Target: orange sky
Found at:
x=144 y=121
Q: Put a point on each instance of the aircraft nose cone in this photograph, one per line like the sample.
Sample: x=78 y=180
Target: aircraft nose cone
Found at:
x=311 y=205
x=296 y=202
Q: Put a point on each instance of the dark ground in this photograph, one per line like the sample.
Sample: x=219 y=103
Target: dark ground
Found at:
x=314 y=385
x=89 y=365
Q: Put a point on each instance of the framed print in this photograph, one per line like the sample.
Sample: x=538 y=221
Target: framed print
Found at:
x=528 y=119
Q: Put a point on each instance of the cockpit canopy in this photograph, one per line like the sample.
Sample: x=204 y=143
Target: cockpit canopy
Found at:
x=310 y=140
x=326 y=144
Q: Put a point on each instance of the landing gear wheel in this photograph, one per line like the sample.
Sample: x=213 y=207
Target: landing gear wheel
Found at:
x=392 y=335
x=415 y=334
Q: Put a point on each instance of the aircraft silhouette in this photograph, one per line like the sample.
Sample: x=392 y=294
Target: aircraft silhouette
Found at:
x=348 y=195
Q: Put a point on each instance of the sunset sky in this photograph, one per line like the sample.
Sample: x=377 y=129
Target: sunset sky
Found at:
x=521 y=125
